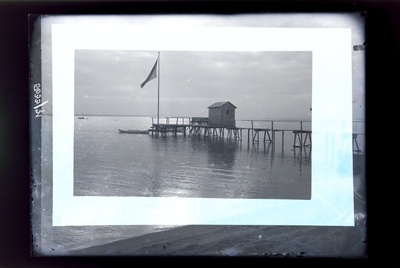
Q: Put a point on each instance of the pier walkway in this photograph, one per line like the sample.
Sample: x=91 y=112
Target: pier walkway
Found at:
x=255 y=134
x=199 y=126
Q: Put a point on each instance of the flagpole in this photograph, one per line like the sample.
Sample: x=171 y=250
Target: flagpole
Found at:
x=158 y=92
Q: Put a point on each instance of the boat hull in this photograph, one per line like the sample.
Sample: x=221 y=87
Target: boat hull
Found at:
x=133 y=131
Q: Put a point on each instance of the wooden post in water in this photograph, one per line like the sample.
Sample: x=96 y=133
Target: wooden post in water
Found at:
x=273 y=135
x=301 y=132
x=252 y=127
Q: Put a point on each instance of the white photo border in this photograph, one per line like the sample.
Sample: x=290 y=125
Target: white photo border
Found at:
x=332 y=201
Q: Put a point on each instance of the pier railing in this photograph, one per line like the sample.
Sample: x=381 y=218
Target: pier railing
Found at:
x=301 y=129
x=271 y=124
x=168 y=120
x=196 y=125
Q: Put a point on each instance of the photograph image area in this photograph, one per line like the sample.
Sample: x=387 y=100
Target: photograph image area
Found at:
x=193 y=124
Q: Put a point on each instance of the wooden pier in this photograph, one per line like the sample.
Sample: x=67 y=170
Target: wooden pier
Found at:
x=356 y=147
x=164 y=129
x=298 y=138
x=199 y=126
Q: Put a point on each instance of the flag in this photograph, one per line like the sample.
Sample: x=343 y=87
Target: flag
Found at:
x=152 y=75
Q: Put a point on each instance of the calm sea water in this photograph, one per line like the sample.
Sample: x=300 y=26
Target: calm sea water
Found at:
x=109 y=163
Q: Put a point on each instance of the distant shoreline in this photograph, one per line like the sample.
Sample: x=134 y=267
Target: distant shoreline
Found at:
x=238 y=119
x=257 y=119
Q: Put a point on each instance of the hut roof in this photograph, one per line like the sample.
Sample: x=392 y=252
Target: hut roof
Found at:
x=219 y=104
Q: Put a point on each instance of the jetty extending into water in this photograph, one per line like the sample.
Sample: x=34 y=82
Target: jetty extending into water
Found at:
x=255 y=134
x=301 y=130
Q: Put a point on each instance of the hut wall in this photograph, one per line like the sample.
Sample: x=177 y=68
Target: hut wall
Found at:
x=214 y=117
x=223 y=116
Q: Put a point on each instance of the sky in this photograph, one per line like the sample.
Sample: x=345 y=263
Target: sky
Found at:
x=262 y=85
x=259 y=84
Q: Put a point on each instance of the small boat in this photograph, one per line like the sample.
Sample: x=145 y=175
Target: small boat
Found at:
x=81 y=117
x=133 y=131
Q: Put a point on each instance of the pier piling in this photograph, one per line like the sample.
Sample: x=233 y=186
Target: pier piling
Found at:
x=199 y=125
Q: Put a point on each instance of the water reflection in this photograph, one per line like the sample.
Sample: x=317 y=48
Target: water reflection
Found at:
x=303 y=156
x=256 y=172
x=221 y=153
x=263 y=147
